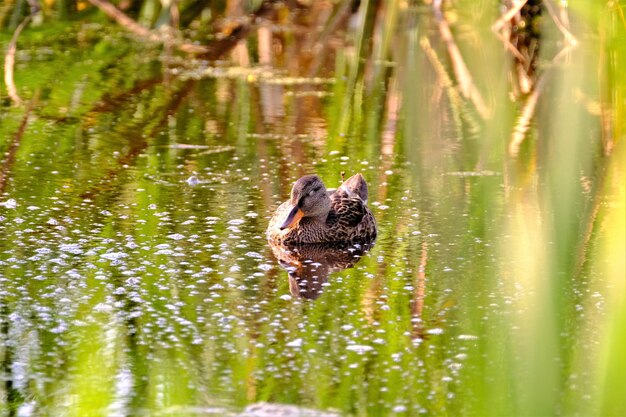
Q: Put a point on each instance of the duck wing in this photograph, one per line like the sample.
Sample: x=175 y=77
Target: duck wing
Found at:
x=346 y=211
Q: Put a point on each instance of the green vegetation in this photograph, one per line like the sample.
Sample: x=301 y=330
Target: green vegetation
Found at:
x=491 y=135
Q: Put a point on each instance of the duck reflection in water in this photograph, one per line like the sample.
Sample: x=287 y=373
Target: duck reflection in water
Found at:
x=309 y=265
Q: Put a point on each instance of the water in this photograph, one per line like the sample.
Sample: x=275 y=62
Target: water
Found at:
x=137 y=280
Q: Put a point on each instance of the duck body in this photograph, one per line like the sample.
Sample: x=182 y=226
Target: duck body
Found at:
x=315 y=215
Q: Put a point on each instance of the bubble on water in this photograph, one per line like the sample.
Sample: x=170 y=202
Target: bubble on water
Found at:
x=176 y=236
x=254 y=255
x=435 y=330
x=295 y=343
x=73 y=248
x=285 y=297
x=252 y=214
x=60 y=328
x=114 y=256
x=455 y=366
x=10 y=203
x=193 y=181
x=360 y=349
x=236 y=222
x=52 y=222
x=467 y=337
x=27 y=409
x=133 y=281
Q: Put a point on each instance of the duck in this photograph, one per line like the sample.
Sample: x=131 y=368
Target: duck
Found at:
x=316 y=215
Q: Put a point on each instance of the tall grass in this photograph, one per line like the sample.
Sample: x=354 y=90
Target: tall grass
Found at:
x=556 y=213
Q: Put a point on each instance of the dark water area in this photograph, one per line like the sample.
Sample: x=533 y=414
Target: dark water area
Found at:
x=136 y=277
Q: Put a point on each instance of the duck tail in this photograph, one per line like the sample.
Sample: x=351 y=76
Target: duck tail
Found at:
x=355 y=186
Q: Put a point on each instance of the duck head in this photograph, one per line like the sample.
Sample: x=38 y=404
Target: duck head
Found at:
x=308 y=199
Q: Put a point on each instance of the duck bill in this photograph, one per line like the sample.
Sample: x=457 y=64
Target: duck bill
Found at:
x=293 y=217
